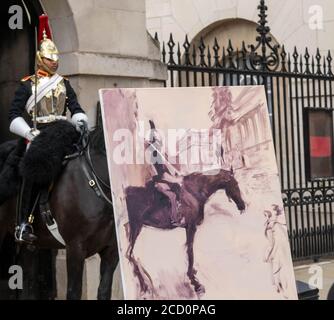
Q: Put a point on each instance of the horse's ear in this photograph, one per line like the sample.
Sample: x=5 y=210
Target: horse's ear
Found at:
x=152 y=125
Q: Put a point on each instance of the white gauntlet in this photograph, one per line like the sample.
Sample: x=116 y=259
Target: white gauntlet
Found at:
x=32 y=134
x=20 y=127
x=78 y=119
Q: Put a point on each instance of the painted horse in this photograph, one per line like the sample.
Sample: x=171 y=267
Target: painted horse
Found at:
x=148 y=207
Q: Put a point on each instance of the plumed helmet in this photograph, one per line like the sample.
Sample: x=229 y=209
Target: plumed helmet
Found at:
x=47 y=48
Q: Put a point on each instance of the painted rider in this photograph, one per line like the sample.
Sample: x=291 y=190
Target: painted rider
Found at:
x=45 y=97
x=165 y=181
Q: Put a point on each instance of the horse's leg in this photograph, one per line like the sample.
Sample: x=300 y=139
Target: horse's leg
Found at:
x=134 y=232
x=109 y=260
x=75 y=259
x=190 y=232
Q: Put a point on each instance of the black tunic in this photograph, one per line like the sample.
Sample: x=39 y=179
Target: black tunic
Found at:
x=24 y=92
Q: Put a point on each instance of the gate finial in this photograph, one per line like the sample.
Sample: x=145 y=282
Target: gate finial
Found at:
x=264 y=61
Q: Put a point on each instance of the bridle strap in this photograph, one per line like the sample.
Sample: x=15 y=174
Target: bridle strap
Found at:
x=90 y=162
x=94 y=180
x=83 y=152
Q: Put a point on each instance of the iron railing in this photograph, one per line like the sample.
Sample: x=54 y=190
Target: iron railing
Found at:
x=293 y=83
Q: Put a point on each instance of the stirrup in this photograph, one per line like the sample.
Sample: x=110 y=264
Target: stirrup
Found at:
x=24 y=233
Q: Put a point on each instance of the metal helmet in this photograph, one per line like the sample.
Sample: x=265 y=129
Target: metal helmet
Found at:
x=47 y=48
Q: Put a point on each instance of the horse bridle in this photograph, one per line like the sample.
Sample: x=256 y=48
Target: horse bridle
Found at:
x=94 y=180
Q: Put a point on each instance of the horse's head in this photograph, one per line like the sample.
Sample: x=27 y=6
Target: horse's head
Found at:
x=231 y=186
x=96 y=139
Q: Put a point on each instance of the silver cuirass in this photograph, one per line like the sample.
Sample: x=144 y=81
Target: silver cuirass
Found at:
x=53 y=103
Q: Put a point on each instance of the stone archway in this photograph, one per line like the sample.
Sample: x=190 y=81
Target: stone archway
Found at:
x=17 y=50
x=64 y=30
x=17 y=47
x=17 y=59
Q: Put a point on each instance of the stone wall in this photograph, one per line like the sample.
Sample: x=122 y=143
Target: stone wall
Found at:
x=103 y=44
x=289 y=20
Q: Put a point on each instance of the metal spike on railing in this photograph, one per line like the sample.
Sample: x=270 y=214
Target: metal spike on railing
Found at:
x=202 y=52
x=230 y=52
x=224 y=58
x=216 y=52
x=186 y=46
x=156 y=36
x=318 y=58
x=194 y=55
x=283 y=57
x=329 y=60
x=178 y=54
x=289 y=62
x=209 y=57
x=307 y=61
x=313 y=65
x=163 y=52
x=238 y=60
x=244 y=54
x=171 y=45
x=324 y=65
x=295 y=60
x=301 y=64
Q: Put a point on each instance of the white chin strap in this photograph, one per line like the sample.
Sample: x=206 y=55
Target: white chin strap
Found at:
x=20 y=127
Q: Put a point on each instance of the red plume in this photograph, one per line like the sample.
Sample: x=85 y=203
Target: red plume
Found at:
x=43 y=25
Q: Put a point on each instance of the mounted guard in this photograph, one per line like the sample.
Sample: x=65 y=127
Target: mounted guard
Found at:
x=166 y=180
x=45 y=97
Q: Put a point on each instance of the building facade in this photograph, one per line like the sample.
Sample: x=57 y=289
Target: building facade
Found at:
x=300 y=23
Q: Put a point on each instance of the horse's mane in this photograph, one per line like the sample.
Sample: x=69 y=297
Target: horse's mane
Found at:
x=96 y=138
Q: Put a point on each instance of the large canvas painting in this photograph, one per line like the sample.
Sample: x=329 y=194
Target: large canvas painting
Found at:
x=196 y=194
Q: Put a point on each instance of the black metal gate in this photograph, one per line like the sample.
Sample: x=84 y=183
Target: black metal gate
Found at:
x=294 y=83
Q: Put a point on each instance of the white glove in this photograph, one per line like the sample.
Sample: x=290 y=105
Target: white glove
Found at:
x=21 y=128
x=32 y=134
x=80 y=119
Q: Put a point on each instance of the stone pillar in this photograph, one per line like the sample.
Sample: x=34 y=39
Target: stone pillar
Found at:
x=103 y=44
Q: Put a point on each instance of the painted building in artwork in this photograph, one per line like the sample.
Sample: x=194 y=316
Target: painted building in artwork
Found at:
x=239 y=130
x=246 y=129
x=197 y=151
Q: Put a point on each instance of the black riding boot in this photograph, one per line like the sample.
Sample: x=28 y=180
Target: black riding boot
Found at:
x=24 y=231
x=9 y=170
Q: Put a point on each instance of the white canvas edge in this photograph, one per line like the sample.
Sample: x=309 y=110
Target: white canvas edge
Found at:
x=113 y=196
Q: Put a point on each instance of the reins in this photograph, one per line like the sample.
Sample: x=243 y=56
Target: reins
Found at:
x=94 y=180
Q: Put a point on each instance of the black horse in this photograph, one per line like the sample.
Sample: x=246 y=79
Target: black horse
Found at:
x=85 y=220
x=147 y=206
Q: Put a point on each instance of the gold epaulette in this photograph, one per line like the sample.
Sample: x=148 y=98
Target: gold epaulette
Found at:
x=26 y=78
